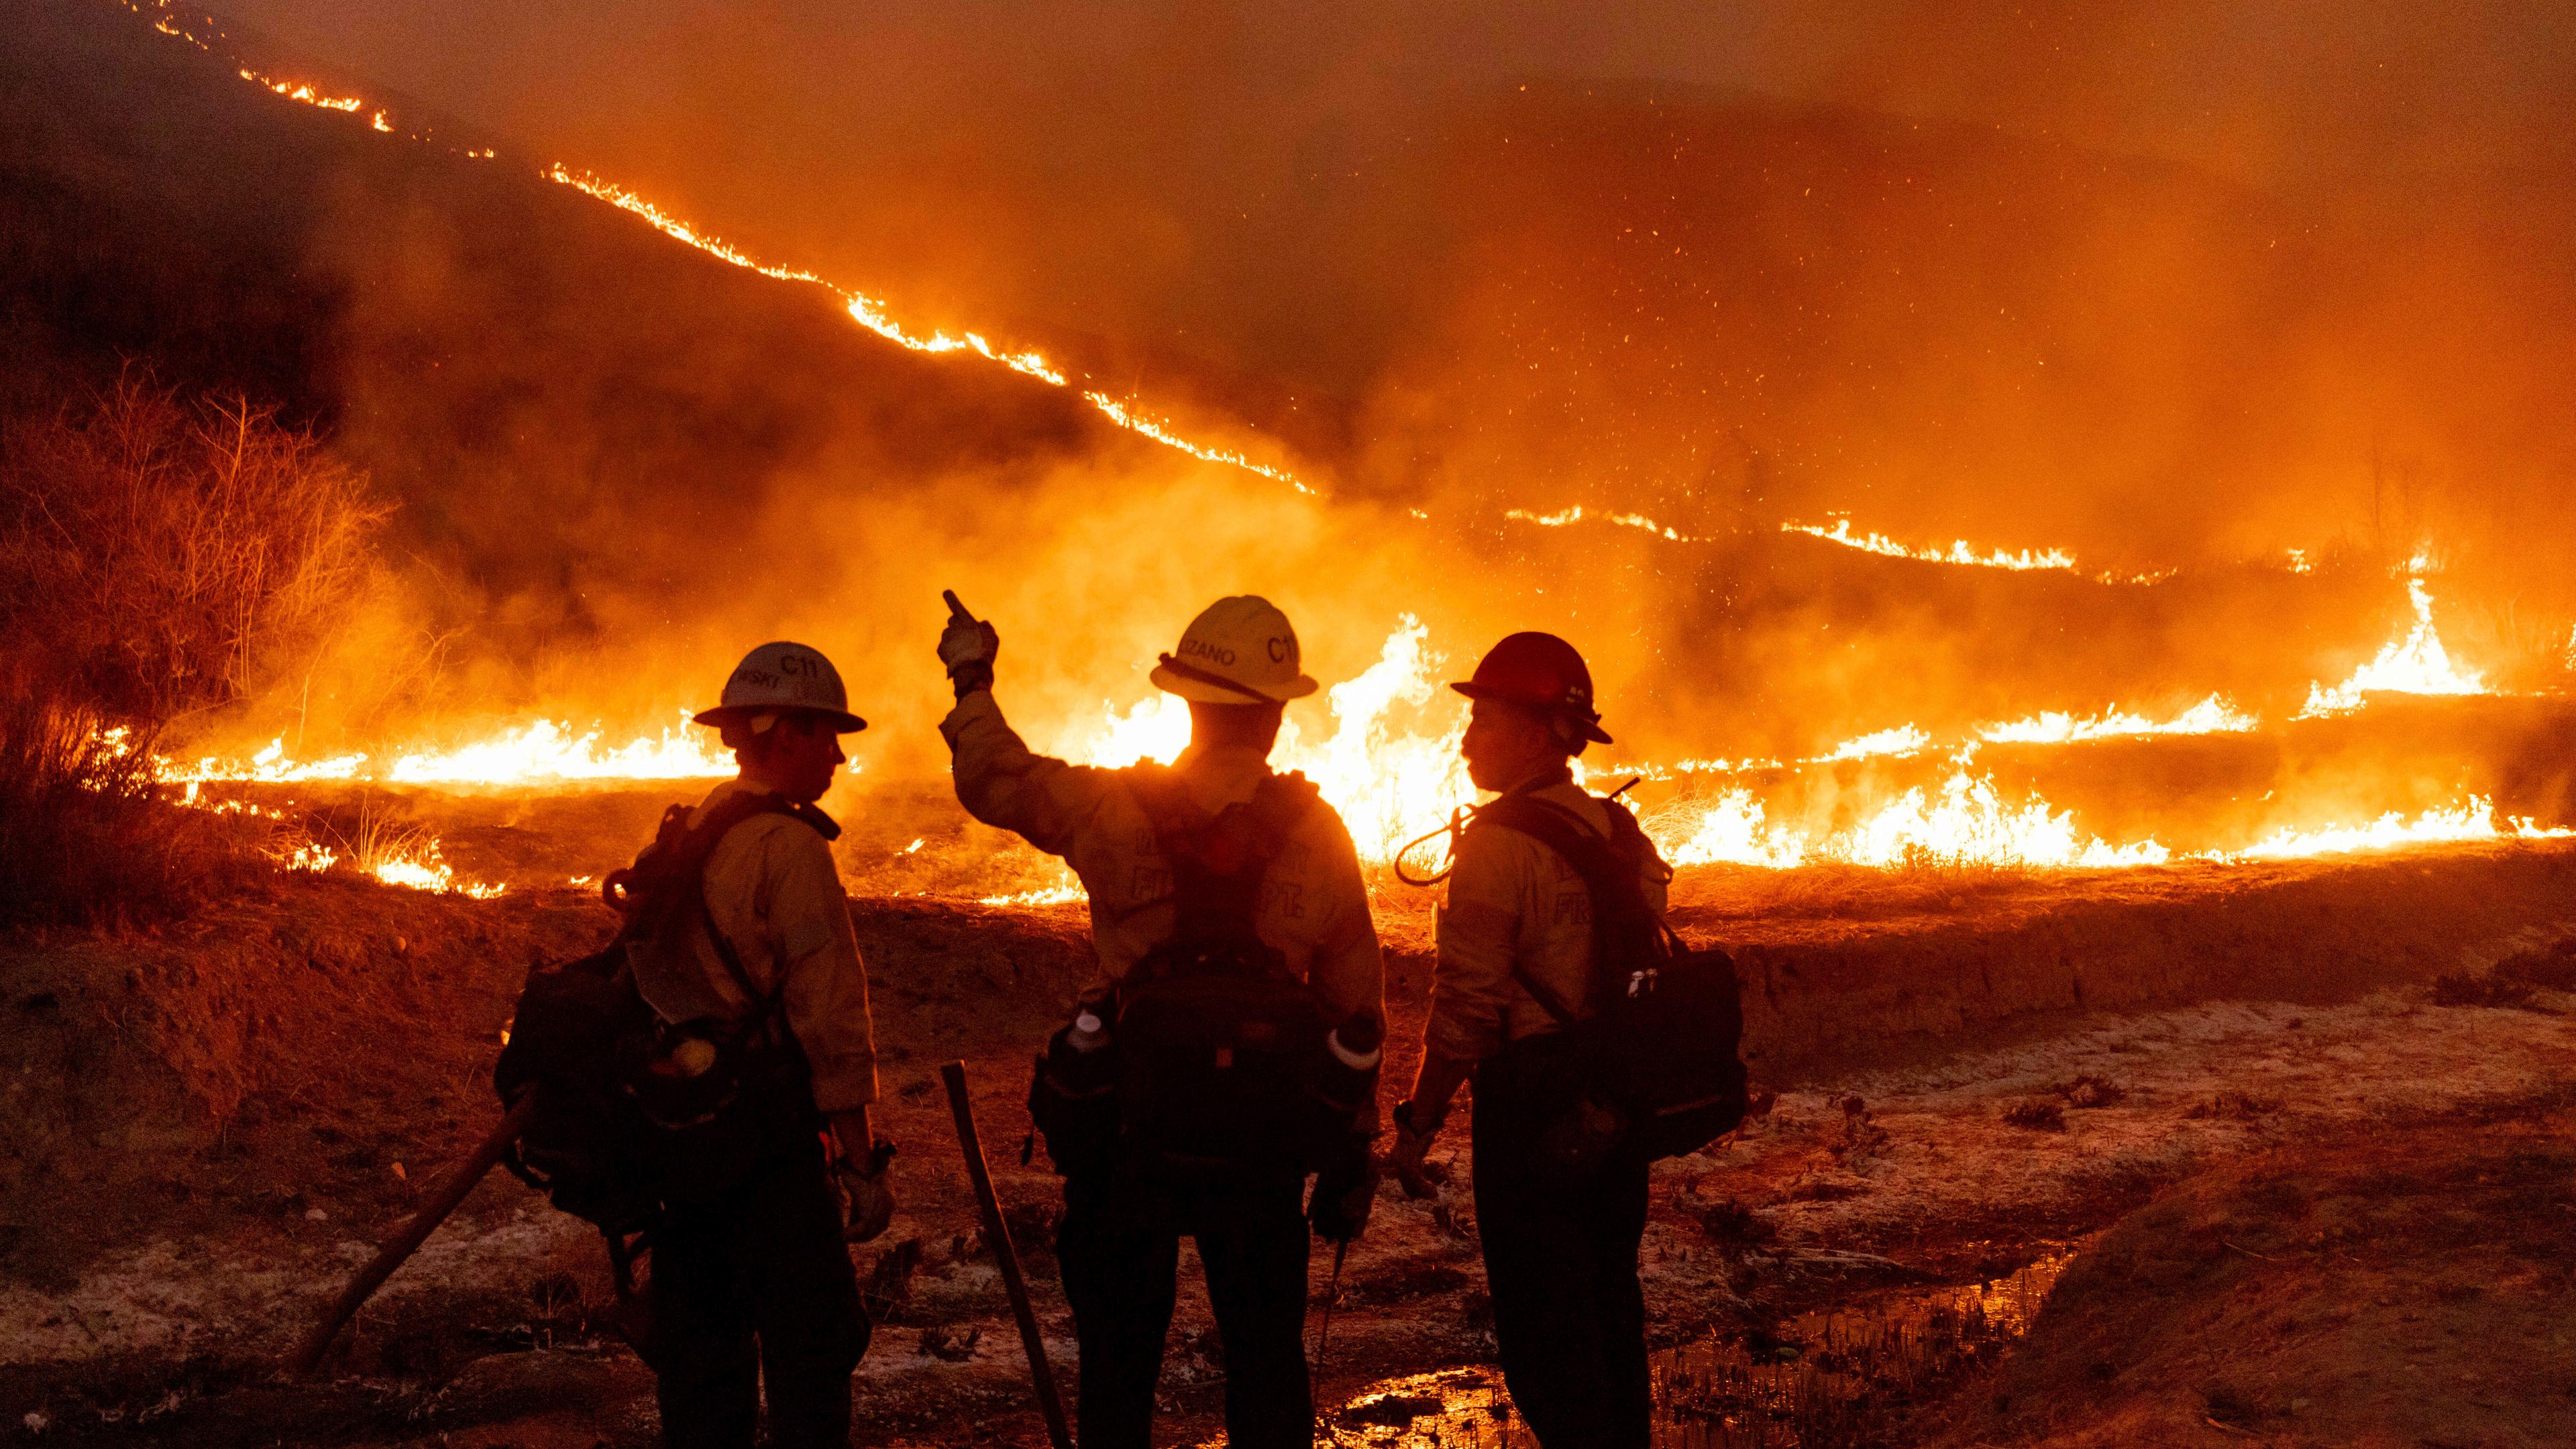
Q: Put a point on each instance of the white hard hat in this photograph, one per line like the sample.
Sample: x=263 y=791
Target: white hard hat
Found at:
x=1239 y=650
x=780 y=677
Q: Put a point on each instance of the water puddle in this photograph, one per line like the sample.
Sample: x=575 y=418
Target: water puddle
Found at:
x=1825 y=1380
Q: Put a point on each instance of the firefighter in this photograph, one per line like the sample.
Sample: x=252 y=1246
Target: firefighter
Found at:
x=1131 y=1197
x=751 y=1278
x=1560 y=1247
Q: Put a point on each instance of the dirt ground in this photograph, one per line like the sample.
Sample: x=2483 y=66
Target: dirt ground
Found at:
x=208 y=1128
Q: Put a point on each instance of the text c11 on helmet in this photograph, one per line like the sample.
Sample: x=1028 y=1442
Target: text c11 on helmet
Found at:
x=779 y=677
x=1542 y=672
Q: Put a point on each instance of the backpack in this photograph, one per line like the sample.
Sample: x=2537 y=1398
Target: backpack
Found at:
x=634 y=1111
x=1654 y=1069
x=1220 y=1046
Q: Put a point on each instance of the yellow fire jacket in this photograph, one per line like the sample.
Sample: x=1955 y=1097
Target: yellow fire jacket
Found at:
x=1514 y=902
x=774 y=893
x=1314 y=907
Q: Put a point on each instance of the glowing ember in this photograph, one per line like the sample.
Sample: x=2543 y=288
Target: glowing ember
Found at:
x=1960 y=552
x=2416 y=664
x=2049 y=727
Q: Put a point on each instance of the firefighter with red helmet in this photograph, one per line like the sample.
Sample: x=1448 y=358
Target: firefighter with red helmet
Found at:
x=1515 y=965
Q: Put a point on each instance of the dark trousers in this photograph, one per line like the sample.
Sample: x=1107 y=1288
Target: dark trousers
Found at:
x=1561 y=1263
x=756 y=1284
x=1119 y=1249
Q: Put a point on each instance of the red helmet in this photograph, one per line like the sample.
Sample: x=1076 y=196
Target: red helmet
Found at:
x=1542 y=671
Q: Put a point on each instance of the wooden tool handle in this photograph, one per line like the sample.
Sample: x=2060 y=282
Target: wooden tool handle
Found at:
x=414 y=1233
x=997 y=1233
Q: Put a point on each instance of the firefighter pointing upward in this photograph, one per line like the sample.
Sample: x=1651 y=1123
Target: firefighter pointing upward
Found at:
x=1227 y=1045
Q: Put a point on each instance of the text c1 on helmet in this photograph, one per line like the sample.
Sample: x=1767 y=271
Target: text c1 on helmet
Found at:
x=1239 y=650
x=1543 y=672
x=779 y=677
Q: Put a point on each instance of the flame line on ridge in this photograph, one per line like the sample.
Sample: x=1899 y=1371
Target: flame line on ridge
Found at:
x=865 y=310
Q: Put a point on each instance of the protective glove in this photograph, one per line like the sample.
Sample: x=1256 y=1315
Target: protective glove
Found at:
x=867 y=1193
x=1407 y=1154
x=968 y=647
x=1344 y=1193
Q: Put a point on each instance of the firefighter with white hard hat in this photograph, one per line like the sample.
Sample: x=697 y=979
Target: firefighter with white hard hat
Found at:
x=1226 y=1047
x=1559 y=1218
x=751 y=1280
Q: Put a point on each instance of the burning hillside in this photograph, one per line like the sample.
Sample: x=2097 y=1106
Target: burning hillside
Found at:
x=1386 y=753
x=2065 y=592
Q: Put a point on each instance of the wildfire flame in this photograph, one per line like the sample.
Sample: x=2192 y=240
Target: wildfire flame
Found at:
x=2211 y=716
x=2416 y=664
x=541 y=752
x=1389 y=763
x=1960 y=552
x=1965 y=820
x=2474 y=820
x=1384 y=780
x=867 y=311
x=1566 y=516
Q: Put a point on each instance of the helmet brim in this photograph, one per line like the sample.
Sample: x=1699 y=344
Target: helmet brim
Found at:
x=1171 y=681
x=1591 y=728
x=843 y=722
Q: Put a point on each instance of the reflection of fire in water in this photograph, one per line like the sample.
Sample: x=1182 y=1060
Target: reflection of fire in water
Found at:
x=1836 y=1376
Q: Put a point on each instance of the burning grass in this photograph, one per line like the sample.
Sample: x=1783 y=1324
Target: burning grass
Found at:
x=158 y=556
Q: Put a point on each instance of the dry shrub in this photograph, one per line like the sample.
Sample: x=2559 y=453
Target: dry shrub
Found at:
x=2549 y=968
x=85 y=836
x=157 y=556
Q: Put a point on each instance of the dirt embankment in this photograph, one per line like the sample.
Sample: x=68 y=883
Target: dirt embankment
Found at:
x=319 y=1039
x=2408 y=1287
x=1855 y=982
x=204 y=1127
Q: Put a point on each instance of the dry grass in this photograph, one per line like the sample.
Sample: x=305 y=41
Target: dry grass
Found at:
x=157 y=558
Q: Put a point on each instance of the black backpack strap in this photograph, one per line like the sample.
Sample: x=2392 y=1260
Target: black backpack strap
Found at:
x=1219 y=861
x=690 y=839
x=1609 y=867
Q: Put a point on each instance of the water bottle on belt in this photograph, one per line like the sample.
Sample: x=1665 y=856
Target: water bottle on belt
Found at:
x=1074 y=1098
